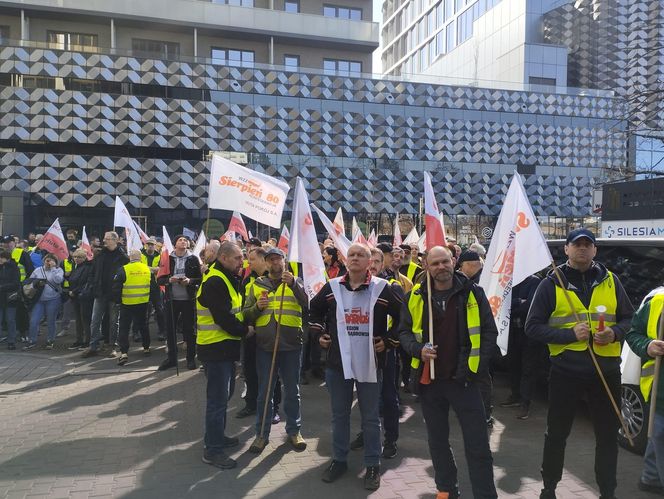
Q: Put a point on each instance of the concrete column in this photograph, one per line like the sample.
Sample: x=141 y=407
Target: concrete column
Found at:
x=112 y=33
x=23 y=28
x=195 y=42
x=271 y=50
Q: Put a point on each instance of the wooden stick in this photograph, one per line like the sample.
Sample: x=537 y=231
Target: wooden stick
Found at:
x=431 y=366
x=268 y=391
x=616 y=409
x=655 y=380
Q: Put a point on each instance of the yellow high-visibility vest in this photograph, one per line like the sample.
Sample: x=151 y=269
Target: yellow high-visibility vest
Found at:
x=563 y=317
x=648 y=368
x=68 y=266
x=208 y=330
x=416 y=308
x=413 y=268
x=155 y=260
x=136 y=288
x=291 y=312
x=17 y=253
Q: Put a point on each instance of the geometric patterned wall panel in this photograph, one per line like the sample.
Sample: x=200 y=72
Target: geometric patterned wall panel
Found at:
x=359 y=143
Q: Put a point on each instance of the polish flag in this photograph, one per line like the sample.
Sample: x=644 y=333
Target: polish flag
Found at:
x=54 y=241
x=358 y=237
x=397 y=233
x=164 y=260
x=229 y=235
x=412 y=237
x=284 y=238
x=303 y=247
x=432 y=216
x=338 y=223
x=237 y=225
x=85 y=244
x=340 y=241
x=372 y=241
x=122 y=218
x=144 y=237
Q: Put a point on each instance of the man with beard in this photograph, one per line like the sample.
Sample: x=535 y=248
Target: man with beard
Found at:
x=464 y=336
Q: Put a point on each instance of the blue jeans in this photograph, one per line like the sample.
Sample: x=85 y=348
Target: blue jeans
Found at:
x=287 y=365
x=101 y=307
x=653 y=461
x=51 y=309
x=389 y=397
x=341 y=400
x=8 y=314
x=220 y=385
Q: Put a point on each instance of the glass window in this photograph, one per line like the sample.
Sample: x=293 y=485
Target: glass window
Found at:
x=356 y=14
x=432 y=50
x=424 y=59
x=4 y=33
x=449 y=9
x=439 y=15
x=72 y=41
x=329 y=11
x=440 y=42
x=431 y=22
x=238 y=3
x=155 y=48
x=341 y=67
x=342 y=12
x=329 y=66
x=458 y=5
x=292 y=61
x=233 y=57
x=450 y=38
x=292 y=6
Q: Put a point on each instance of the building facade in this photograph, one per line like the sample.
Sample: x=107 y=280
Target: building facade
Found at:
x=81 y=126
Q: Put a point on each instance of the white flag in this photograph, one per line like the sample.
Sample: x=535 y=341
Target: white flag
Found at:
x=397 y=241
x=338 y=223
x=85 y=244
x=518 y=249
x=255 y=195
x=340 y=241
x=122 y=218
x=168 y=244
x=372 y=240
x=141 y=235
x=166 y=249
x=422 y=242
x=412 y=237
x=303 y=247
x=200 y=245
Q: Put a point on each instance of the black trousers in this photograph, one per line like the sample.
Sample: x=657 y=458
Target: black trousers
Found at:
x=564 y=393
x=249 y=371
x=157 y=304
x=404 y=359
x=83 y=315
x=466 y=401
x=137 y=314
x=176 y=311
x=523 y=358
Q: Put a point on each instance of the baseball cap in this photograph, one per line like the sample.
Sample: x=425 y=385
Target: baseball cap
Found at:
x=577 y=234
x=151 y=240
x=254 y=241
x=274 y=251
x=468 y=256
x=385 y=247
x=6 y=239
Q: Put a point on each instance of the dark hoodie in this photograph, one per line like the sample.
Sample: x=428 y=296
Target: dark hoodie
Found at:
x=104 y=267
x=574 y=363
x=458 y=298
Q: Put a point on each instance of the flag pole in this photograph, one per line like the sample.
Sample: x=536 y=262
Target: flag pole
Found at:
x=431 y=367
x=268 y=390
x=655 y=381
x=592 y=355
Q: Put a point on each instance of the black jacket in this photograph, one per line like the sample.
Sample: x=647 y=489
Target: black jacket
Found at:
x=323 y=318
x=192 y=270
x=10 y=281
x=79 y=280
x=214 y=296
x=488 y=332
x=26 y=261
x=104 y=267
x=582 y=284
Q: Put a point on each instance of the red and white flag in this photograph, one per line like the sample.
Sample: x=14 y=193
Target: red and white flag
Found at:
x=166 y=249
x=237 y=225
x=432 y=216
x=200 y=245
x=412 y=237
x=229 y=235
x=372 y=241
x=338 y=223
x=284 y=239
x=122 y=218
x=85 y=244
x=518 y=250
x=54 y=241
x=358 y=237
x=303 y=247
x=397 y=241
x=144 y=237
x=340 y=241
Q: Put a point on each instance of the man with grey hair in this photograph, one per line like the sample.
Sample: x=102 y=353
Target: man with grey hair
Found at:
x=131 y=288
x=104 y=268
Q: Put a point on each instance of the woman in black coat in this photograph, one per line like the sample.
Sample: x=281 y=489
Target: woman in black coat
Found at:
x=81 y=295
x=10 y=282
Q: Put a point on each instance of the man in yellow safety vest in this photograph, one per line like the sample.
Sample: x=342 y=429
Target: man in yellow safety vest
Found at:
x=265 y=308
x=220 y=325
x=131 y=287
x=591 y=310
x=464 y=336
